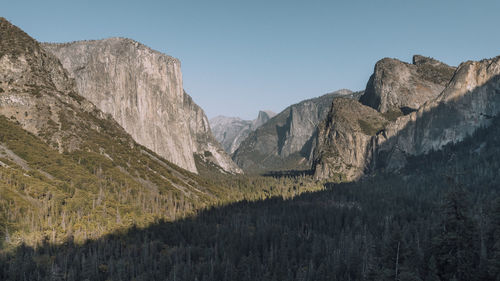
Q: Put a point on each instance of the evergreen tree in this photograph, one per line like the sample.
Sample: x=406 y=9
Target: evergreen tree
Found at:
x=455 y=250
x=494 y=264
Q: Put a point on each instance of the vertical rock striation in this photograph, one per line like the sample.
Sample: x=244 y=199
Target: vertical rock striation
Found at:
x=469 y=99
x=344 y=140
x=206 y=146
x=142 y=90
x=286 y=142
x=398 y=86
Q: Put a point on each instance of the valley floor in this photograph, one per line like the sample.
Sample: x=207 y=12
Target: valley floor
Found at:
x=439 y=219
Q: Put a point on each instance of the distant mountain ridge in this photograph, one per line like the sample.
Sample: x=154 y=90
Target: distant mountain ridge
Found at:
x=143 y=90
x=286 y=141
x=231 y=131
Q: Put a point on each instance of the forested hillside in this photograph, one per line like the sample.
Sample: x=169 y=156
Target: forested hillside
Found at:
x=80 y=199
x=69 y=171
x=439 y=219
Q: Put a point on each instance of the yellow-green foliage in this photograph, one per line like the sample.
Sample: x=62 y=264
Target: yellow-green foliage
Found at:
x=107 y=185
x=392 y=115
x=370 y=128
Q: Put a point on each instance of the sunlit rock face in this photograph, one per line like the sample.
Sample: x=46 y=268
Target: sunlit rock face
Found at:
x=206 y=146
x=231 y=131
x=142 y=90
x=344 y=140
x=467 y=101
x=36 y=92
x=400 y=86
x=286 y=142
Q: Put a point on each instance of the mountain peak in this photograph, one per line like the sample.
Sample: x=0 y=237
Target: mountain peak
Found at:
x=399 y=86
x=419 y=60
x=342 y=92
x=263 y=117
x=143 y=90
x=14 y=41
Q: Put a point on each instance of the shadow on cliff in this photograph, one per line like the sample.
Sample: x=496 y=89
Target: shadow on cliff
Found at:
x=277 y=239
x=432 y=129
x=339 y=233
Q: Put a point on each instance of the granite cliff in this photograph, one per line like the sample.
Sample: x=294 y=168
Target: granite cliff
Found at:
x=67 y=146
x=231 y=131
x=69 y=171
x=419 y=117
x=396 y=86
x=343 y=144
x=286 y=142
x=142 y=90
x=470 y=101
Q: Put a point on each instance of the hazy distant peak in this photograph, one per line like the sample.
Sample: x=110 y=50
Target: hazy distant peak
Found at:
x=342 y=92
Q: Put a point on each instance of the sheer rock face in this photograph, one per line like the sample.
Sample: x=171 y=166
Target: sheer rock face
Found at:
x=344 y=140
x=469 y=102
x=205 y=143
x=399 y=86
x=142 y=90
x=262 y=118
x=286 y=142
x=38 y=95
x=231 y=131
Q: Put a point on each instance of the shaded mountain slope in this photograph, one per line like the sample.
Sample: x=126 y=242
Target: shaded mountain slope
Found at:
x=469 y=101
x=350 y=231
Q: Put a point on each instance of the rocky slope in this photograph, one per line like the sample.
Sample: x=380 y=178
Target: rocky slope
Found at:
x=69 y=167
x=468 y=101
x=206 y=146
x=286 y=142
x=142 y=90
x=344 y=138
x=398 y=86
x=231 y=131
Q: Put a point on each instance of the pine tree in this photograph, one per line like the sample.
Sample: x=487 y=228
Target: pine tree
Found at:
x=494 y=264
x=454 y=247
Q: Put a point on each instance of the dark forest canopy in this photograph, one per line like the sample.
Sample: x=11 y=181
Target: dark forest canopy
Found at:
x=438 y=219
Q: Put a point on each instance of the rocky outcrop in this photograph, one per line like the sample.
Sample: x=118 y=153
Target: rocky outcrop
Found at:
x=65 y=154
x=396 y=86
x=36 y=92
x=286 y=142
x=344 y=140
x=206 y=146
x=262 y=118
x=231 y=131
x=470 y=101
x=142 y=90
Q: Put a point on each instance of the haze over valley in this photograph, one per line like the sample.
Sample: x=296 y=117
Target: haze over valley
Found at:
x=111 y=169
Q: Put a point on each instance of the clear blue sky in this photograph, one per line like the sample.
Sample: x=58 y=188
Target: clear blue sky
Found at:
x=241 y=56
